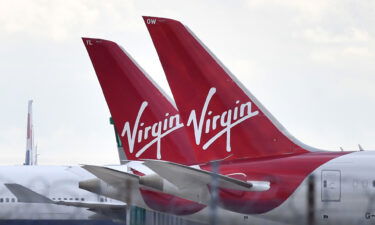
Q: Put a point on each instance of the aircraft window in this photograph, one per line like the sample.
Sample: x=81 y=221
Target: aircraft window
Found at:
x=373 y=183
x=65 y=199
x=59 y=199
x=82 y=199
x=70 y=199
x=101 y=200
x=1 y=200
x=325 y=183
x=53 y=199
x=13 y=200
x=7 y=200
x=77 y=199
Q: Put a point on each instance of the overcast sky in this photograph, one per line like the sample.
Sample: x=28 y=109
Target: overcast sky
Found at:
x=311 y=63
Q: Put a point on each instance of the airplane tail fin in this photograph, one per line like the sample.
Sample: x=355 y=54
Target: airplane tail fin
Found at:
x=222 y=117
x=31 y=155
x=148 y=123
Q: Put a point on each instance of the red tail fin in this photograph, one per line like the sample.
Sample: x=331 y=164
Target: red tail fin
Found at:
x=222 y=117
x=148 y=124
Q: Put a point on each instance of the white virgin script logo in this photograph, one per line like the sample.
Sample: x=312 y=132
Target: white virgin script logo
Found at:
x=207 y=122
x=156 y=131
x=227 y=120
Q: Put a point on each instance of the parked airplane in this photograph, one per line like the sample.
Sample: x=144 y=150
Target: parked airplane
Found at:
x=49 y=194
x=62 y=200
x=247 y=130
x=264 y=172
x=150 y=127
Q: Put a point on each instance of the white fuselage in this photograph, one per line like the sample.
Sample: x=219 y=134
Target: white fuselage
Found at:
x=58 y=183
x=344 y=189
x=344 y=193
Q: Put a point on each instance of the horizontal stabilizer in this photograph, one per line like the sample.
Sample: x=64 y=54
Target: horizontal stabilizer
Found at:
x=122 y=181
x=186 y=177
x=111 y=176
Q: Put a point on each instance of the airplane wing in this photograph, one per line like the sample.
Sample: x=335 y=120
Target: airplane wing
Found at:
x=193 y=177
x=92 y=205
x=26 y=195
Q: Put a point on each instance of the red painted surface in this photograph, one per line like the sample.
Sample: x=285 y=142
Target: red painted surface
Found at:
x=125 y=88
x=284 y=173
x=169 y=203
x=191 y=72
x=258 y=148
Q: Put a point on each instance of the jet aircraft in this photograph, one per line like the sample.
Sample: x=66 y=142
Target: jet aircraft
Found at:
x=264 y=174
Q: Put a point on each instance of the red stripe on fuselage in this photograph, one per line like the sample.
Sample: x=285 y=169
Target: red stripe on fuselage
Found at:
x=285 y=175
x=170 y=204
